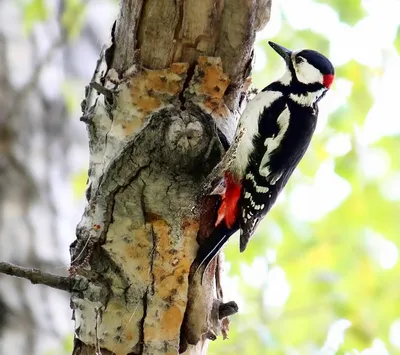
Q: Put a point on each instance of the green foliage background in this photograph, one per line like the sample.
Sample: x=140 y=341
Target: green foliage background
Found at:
x=337 y=267
x=340 y=266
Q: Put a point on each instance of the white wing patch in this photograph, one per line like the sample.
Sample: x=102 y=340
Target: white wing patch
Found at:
x=260 y=189
x=247 y=196
x=249 y=120
x=273 y=142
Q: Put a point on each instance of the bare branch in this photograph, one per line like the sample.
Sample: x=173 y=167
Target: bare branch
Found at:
x=36 y=276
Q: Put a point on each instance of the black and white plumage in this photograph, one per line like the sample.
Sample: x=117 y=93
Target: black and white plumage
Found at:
x=273 y=134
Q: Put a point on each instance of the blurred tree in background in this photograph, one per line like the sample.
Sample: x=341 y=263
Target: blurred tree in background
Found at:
x=48 y=50
x=321 y=274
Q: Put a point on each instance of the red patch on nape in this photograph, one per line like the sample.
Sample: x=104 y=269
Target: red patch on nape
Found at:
x=328 y=80
x=229 y=207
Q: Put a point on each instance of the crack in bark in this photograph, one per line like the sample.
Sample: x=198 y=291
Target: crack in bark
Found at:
x=150 y=288
x=152 y=258
x=109 y=52
x=142 y=322
x=97 y=344
x=178 y=40
x=111 y=197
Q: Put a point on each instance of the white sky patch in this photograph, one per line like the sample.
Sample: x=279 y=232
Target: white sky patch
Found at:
x=378 y=348
x=342 y=48
x=369 y=42
x=278 y=288
x=335 y=337
x=317 y=17
x=386 y=9
x=374 y=162
x=336 y=97
x=271 y=255
x=232 y=288
x=394 y=333
x=390 y=188
x=260 y=58
x=273 y=230
x=255 y=274
x=310 y=202
x=339 y=144
x=383 y=118
x=322 y=19
x=383 y=251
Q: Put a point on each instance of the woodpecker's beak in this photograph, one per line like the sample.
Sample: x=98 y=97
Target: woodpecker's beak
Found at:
x=282 y=51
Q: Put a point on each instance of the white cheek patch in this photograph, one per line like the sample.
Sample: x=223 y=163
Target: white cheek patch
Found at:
x=308 y=74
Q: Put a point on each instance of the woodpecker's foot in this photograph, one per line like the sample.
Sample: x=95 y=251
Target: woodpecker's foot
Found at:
x=218 y=171
x=212 y=181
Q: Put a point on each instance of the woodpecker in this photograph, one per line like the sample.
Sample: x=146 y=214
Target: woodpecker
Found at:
x=272 y=136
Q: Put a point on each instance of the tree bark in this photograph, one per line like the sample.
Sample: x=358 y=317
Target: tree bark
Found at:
x=164 y=95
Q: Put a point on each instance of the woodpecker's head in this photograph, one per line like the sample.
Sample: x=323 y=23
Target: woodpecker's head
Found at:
x=308 y=70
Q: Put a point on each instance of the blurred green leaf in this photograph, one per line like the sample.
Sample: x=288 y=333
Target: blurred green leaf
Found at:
x=361 y=99
x=397 y=40
x=34 y=11
x=79 y=181
x=68 y=90
x=73 y=17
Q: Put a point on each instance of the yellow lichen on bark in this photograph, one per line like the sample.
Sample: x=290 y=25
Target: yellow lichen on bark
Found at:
x=145 y=92
x=215 y=81
x=151 y=88
x=130 y=248
x=170 y=270
x=209 y=84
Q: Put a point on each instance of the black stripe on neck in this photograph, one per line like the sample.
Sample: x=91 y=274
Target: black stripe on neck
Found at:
x=295 y=86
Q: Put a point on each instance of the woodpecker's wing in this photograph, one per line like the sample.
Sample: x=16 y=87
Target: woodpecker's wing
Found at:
x=257 y=199
x=258 y=196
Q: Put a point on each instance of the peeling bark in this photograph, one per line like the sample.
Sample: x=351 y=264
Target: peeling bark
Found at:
x=164 y=93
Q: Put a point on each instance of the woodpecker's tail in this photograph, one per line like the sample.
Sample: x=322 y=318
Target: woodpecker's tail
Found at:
x=211 y=247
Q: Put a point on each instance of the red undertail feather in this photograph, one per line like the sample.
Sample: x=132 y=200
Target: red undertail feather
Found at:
x=229 y=207
x=328 y=80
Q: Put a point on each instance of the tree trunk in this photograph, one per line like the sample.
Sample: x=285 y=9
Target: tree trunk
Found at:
x=165 y=94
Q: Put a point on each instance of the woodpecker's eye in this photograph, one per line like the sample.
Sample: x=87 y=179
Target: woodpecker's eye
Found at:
x=299 y=60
